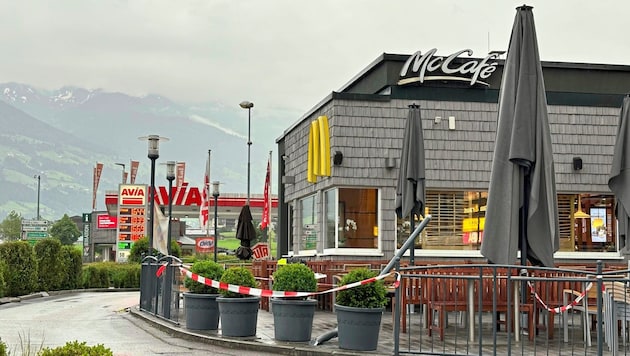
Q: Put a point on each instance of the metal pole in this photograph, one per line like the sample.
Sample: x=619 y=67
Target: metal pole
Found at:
x=152 y=206
x=39 y=179
x=216 y=232
x=249 y=147
x=170 y=214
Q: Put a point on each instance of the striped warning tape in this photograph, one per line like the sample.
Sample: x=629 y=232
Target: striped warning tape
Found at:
x=279 y=294
x=560 y=309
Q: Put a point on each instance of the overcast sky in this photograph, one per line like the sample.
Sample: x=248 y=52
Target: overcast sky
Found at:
x=283 y=54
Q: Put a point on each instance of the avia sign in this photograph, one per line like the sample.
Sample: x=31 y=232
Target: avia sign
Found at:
x=132 y=195
x=426 y=67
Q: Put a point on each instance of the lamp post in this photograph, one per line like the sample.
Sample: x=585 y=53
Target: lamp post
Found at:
x=215 y=194
x=123 y=171
x=153 y=154
x=170 y=176
x=39 y=180
x=248 y=105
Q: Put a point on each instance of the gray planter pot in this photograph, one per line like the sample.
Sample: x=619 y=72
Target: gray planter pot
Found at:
x=202 y=311
x=239 y=316
x=358 y=328
x=293 y=319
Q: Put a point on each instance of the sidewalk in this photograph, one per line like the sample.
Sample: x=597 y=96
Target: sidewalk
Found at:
x=264 y=341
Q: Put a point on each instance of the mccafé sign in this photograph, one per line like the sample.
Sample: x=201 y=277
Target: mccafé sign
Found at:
x=425 y=67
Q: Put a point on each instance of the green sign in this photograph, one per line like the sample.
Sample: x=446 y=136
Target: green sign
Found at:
x=36 y=235
x=87 y=218
x=124 y=245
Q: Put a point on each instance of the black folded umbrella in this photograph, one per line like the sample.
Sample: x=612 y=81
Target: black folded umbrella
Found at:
x=245 y=232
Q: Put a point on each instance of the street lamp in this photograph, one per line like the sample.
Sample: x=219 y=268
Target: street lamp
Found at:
x=39 y=180
x=248 y=105
x=215 y=194
x=153 y=154
x=123 y=171
x=170 y=175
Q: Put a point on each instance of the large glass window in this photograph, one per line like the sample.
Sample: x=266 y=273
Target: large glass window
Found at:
x=458 y=219
x=351 y=218
x=308 y=224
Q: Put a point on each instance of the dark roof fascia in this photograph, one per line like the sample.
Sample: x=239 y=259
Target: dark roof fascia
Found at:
x=317 y=106
x=384 y=57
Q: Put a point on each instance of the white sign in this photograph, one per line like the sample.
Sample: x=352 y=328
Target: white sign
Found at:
x=34 y=225
x=423 y=67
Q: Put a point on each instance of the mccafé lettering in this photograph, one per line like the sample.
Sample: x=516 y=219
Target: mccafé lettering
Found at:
x=420 y=67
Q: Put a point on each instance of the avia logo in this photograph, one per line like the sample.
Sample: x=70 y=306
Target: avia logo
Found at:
x=183 y=195
x=424 y=67
x=132 y=195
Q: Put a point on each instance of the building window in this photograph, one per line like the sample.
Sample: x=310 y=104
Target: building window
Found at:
x=351 y=218
x=308 y=224
x=458 y=219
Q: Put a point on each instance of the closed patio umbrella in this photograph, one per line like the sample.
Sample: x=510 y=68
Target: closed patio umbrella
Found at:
x=619 y=181
x=245 y=232
x=410 y=189
x=521 y=210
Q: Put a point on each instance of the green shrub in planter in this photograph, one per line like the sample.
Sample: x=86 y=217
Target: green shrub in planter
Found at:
x=208 y=269
x=294 y=277
x=370 y=295
x=240 y=276
x=75 y=348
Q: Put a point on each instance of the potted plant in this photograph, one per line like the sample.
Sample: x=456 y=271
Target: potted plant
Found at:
x=200 y=302
x=359 y=311
x=239 y=312
x=293 y=316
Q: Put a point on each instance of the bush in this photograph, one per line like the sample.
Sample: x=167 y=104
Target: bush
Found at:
x=140 y=249
x=3 y=348
x=73 y=265
x=95 y=275
x=239 y=276
x=74 y=348
x=294 y=277
x=208 y=269
x=50 y=266
x=20 y=268
x=3 y=285
x=124 y=275
x=369 y=295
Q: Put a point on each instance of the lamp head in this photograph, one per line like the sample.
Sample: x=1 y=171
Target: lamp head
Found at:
x=154 y=145
x=170 y=170
x=246 y=104
x=215 y=188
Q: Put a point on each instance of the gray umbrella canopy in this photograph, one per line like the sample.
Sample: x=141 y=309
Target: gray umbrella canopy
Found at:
x=522 y=183
x=619 y=181
x=411 y=181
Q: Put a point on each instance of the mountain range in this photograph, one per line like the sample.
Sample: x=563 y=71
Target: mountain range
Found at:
x=61 y=134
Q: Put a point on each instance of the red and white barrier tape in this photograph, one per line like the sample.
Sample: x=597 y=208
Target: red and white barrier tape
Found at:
x=279 y=294
x=563 y=308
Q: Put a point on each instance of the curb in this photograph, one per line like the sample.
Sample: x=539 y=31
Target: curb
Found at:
x=235 y=343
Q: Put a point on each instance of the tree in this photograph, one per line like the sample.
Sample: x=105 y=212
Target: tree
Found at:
x=11 y=227
x=65 y=230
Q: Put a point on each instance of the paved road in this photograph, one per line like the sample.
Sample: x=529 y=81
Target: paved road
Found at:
x=96 y=318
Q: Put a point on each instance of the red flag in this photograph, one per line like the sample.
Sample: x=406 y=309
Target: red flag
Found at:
x=96 y=178
x=266 y=208
x=133 y=171
x=181 y=169
x=205 y=200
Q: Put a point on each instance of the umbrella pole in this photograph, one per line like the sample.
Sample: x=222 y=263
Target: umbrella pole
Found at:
x=412 y=251
x=523 y=234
